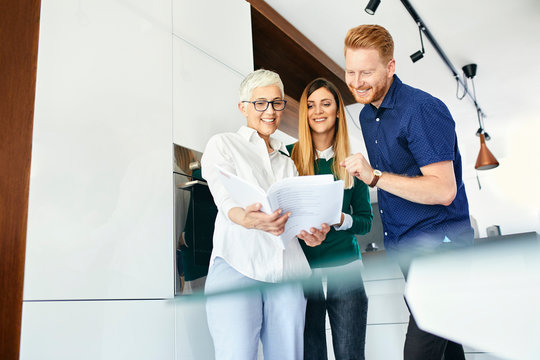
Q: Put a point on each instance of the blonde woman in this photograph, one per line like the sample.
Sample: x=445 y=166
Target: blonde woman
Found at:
x=324 y=143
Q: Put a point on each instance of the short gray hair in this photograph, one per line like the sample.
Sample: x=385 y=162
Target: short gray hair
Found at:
x=259 y=78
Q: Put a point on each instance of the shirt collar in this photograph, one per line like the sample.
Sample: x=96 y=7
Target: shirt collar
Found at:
x=326 y=154
x=250 y=134
x=246 y=132
x=390 y=97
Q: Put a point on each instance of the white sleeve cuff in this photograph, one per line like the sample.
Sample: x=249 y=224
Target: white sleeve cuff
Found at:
x=347 y=223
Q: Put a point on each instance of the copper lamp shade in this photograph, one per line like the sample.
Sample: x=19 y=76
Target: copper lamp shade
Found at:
x=485 y=160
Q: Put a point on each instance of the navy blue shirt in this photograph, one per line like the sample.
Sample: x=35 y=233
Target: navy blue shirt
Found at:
x=411 y=129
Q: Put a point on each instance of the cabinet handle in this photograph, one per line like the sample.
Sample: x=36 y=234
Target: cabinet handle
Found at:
x=192 y=183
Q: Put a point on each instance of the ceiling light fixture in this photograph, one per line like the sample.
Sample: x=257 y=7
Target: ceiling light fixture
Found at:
x=372 y=6
x=423 y=28
x=420 y=53
x=485 y=159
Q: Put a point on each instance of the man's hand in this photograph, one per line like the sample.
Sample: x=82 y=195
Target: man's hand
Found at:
x=435 y=186
x=358 y=166
x=316 y=237
x=252 y=218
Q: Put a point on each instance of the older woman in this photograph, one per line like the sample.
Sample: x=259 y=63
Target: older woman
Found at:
x=247 y=252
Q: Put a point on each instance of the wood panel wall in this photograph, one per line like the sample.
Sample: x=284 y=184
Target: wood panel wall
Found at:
x=19 y=29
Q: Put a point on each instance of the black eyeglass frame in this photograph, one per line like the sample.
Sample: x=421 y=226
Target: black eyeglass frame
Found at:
x=267 y=103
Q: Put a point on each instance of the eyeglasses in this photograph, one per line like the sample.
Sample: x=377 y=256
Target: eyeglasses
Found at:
x=262 y=105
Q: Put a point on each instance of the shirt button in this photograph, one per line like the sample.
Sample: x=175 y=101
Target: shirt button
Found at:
x=377 y=119
x=376 y=141
x=385 y=233
x=381 y=211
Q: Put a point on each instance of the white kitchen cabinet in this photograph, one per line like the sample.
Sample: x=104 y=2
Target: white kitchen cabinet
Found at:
x=219 y=28
x=100 y=204
x=205 y=97
x=193 y=340
x=388 y=316
x=99 y=262
x=385 y=341
x=104 y=330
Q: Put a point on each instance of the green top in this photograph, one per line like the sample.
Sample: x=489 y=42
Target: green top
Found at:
x=341 y=247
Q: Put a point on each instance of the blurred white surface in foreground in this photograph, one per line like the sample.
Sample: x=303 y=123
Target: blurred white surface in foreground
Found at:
x=486 y=296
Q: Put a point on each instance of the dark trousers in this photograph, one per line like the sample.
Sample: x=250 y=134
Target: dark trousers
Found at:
x=422 y=345
x=346 y=304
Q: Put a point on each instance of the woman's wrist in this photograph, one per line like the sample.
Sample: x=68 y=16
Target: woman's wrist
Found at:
x=238 y=215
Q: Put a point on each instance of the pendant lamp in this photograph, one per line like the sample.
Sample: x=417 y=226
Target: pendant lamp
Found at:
x=485 y=159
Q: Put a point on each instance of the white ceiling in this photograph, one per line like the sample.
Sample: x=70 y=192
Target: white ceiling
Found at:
x=502 y=38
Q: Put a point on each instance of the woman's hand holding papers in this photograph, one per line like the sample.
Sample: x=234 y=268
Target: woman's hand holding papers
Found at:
x=316 y=237
x=252 y=218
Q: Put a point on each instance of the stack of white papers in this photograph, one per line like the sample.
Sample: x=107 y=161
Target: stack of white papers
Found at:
x=311 y=200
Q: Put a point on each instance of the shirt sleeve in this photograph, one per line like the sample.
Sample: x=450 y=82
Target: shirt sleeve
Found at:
x=431 y=134
x=214 y=154
x=347 y=223
x=362 y=213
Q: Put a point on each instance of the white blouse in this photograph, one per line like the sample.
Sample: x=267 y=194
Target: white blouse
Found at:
x=347 y=219
x=254 y=253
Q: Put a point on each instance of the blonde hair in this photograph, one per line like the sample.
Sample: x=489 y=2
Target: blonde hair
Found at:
x=304 y=153
x=371 y=37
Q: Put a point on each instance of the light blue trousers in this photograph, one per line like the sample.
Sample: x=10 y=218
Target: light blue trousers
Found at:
x=274 y=313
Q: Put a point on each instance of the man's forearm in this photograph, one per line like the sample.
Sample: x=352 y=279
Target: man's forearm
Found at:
x=425 y=189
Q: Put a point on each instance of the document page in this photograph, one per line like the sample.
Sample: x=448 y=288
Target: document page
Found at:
x=311 y=200
x=242 y=191
x=310 y=203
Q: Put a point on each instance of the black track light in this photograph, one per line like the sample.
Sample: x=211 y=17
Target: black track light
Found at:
x=372 y=6
x=417 y=56
x=420 y=53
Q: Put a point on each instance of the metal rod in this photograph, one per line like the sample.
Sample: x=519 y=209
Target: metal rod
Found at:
x=440 y=51
x=421 y=41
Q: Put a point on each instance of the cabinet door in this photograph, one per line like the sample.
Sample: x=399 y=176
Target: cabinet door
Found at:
x=385 y=342
x=105 y=330
x=193 y=340
x=100 y=205
x=221 y=29
x=205 y=96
